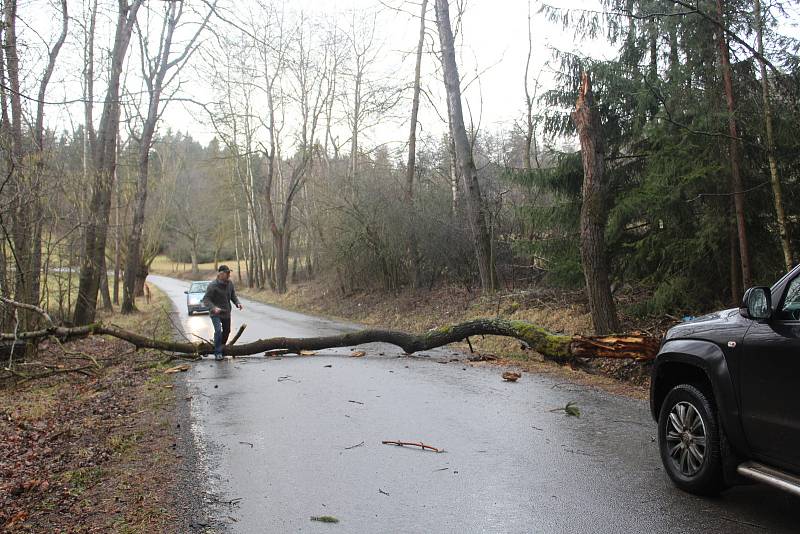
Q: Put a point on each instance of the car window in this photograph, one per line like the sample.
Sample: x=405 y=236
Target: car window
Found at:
x=791 y=304
x=198 y=287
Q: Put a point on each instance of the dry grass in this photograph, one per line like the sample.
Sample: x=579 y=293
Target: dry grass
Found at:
x=167 y=267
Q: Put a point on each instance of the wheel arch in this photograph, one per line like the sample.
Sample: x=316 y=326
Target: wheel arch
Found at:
x=702 y=364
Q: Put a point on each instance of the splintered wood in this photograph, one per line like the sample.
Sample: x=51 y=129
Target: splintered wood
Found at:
x=635 y=346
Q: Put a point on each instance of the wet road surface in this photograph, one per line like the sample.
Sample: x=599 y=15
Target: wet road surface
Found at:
x=281 y=440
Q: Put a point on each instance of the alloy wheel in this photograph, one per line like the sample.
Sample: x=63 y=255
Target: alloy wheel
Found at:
x=686 y=438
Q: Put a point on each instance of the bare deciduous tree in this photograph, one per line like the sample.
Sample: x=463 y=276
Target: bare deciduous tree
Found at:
x=154 y=73
x=103 y=164
x=463 y=150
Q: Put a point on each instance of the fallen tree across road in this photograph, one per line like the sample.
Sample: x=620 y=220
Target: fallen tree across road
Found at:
x=556 y=347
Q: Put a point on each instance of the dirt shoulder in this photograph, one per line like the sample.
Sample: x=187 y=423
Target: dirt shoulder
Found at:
x=95 y=450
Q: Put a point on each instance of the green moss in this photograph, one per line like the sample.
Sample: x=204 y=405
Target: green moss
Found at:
x=540 y=340
x=440 y=331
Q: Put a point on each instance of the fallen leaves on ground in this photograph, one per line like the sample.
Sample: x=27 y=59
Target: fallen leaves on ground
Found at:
x=75 y=457
x=511 y=376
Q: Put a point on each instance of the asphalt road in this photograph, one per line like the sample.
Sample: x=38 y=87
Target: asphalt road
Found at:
x=281 y=440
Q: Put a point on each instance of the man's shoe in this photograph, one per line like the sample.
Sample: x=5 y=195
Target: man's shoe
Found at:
x=219 y=357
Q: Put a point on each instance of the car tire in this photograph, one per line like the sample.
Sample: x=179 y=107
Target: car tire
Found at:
x=689 y=438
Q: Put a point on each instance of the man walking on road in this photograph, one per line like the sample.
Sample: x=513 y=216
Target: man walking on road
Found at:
x=218 y=298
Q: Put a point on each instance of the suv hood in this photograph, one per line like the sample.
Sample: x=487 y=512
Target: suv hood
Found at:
x=711 y=325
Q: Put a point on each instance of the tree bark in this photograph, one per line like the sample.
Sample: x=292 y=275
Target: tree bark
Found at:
x=469 y=174
x=154 y=78
x=35 y=205
x=104 y=162
x=22 y=217
x=155 y=82
x=777 y=194
x=736 y=176
x=594 y=212
x=413 y=248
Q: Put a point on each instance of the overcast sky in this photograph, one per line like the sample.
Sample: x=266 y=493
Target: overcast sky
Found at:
x=492 y=49
x=493 y=46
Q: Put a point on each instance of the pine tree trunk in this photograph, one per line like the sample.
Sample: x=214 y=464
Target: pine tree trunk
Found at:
x=594 y=212
x=783 y=228
x=736 y=176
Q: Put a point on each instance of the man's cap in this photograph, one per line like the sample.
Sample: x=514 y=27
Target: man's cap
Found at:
x=223 y=269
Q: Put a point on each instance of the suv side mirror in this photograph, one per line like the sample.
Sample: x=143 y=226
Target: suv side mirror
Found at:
x=757 y=303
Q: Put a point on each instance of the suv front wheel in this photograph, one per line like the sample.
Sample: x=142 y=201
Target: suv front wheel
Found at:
x=689 y=438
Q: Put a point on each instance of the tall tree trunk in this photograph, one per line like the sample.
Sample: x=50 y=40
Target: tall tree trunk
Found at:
x=117 y=240
x=356 y=126
x=104 y=164
x=735 y=270
x=154 y=76
x=104 y=291
x=594 y=212
x=469 y=174
x=783 y=227
x=141 y=277
x=195 y=266
x=528 y=100
x=413 y=249
x=736 y=176
x=6 y=313
x=35 y=205
x=22 y=217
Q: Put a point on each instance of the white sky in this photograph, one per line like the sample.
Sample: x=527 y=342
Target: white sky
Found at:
x=493 y=42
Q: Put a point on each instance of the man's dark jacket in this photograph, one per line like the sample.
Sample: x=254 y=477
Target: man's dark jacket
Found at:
x=220 y=294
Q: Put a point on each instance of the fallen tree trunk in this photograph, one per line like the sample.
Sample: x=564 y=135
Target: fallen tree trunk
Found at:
x=555 y=347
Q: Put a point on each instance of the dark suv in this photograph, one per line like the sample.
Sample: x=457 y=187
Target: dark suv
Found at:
x=725 y=391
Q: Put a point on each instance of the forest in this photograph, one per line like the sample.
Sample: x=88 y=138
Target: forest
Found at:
x=673 y=178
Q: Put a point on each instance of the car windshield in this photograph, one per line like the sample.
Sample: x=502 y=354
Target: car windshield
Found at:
x=198 y=287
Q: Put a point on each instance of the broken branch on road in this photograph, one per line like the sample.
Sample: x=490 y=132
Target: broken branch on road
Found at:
x=412 y=444
x=238 y=335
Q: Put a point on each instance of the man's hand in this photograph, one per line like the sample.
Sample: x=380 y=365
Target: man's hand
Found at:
x=240 y=306
x=215 y=310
